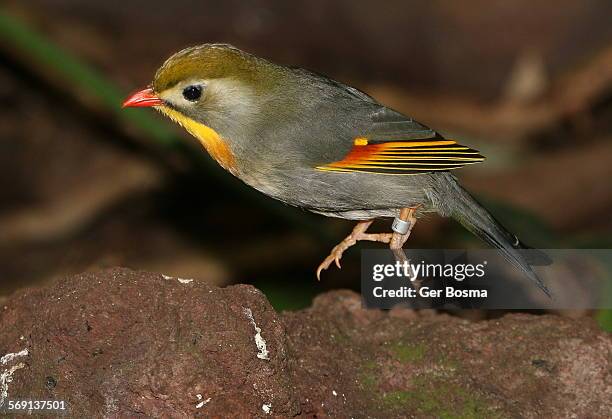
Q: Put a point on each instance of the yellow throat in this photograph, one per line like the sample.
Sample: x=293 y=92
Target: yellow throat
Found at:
x=212 y=142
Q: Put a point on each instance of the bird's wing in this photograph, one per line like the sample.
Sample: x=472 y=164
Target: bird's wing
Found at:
x=395 y=144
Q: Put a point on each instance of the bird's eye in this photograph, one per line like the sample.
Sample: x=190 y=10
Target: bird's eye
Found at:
x=192 y=93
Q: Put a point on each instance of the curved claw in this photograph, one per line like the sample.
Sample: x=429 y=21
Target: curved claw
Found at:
x=319 y=269
x=358 y=233
x=335 y=256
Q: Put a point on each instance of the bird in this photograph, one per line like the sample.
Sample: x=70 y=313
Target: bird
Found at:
x=323 y=146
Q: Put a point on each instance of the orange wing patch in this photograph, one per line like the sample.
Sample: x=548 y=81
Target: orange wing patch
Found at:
x=404 y=157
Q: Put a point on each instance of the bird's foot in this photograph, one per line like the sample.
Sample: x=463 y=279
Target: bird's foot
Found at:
x=334 y=256
x=358 y=233
x=396 y=239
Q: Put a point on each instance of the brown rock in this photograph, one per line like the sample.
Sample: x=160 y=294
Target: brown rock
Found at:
x=120 y=343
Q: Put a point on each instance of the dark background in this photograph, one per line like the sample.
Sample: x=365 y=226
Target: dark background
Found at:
x=84 y=185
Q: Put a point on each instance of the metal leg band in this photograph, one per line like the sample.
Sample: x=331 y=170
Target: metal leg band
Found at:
x=400 y=226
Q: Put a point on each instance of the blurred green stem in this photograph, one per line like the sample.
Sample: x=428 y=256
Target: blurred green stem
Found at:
x=20 y=37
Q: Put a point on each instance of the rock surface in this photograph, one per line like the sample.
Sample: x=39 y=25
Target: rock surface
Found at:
x=120 y=343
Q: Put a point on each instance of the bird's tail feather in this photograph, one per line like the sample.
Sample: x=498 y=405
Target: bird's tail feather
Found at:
x=474 y=217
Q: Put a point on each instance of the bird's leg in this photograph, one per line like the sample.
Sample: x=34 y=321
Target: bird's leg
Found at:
x=402 y=227
x=358 y=233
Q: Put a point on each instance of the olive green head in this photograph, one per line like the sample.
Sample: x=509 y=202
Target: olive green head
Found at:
x=215 y=84
x=207 y=62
